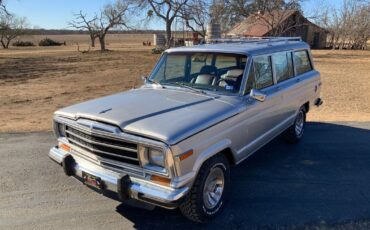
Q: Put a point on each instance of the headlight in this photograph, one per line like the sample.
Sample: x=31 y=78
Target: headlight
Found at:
x=153 y=159
x=156 y=157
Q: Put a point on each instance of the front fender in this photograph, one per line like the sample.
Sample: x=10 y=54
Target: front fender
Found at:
x=200 y=158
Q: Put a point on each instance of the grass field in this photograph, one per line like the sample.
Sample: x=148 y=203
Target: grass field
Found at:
x=36 y=81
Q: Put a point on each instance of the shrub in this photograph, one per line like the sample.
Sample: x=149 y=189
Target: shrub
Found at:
x=50 y=42
x=23 y=43
x=158 y=50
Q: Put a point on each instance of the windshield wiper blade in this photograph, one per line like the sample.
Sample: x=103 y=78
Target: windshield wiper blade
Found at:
x=181 y=84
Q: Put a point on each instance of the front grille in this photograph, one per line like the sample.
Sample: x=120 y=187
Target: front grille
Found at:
x=104 y=147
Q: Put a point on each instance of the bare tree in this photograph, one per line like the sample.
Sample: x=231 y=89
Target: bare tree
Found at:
x=112 y=16
x=274 y=14
x=348 y=25
x=196 y=15
x=82 y=23
x=10 y=28
x=3 y=8
x=166 y=10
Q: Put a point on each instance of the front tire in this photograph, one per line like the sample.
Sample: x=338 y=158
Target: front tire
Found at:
x=295 y=132
x=209 y=192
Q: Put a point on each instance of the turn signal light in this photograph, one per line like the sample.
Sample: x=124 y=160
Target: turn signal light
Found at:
x=160 y=180
x=64 y=147
x=186 y=155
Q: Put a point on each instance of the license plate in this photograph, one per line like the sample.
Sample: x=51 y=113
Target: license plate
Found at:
x=92 y=180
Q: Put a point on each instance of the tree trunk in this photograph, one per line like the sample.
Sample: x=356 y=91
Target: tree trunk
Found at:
x=92 y=40
x=3 y=44
x=168 y=34
x=102 y=42
x=7 y=44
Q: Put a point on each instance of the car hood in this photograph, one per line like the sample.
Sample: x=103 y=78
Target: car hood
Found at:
x=169 y=115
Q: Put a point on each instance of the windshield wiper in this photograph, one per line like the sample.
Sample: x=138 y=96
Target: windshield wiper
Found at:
x=182 y=84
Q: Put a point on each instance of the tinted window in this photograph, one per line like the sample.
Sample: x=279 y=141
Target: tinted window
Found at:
x=223 y=61
x=302 y=62
x=283 y=66
x=263 y=72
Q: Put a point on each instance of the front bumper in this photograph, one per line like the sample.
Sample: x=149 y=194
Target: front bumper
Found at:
x=135 y=188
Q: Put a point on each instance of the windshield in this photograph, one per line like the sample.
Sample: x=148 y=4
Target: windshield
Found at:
x=217 y=72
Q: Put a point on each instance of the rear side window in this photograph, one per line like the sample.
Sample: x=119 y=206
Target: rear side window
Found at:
x=302 y=62
x=283 y=66
x=262 y=72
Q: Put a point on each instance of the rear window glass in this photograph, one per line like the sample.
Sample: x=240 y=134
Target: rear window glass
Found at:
x=302 y=62
x=198 y=60
x=223 y=61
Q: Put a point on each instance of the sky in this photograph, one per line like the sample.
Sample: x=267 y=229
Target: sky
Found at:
x=54 y=14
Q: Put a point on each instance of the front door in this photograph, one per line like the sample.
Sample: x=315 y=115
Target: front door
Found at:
x=260 y=118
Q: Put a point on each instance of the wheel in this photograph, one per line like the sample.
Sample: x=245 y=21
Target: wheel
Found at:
x=210 y=190
x=295 y=132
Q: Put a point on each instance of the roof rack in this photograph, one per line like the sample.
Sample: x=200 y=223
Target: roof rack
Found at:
x=257 y=40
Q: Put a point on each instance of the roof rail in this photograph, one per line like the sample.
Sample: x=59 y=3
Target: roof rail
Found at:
x=258 y=40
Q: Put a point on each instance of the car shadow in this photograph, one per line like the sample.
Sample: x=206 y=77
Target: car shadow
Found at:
x=325 y=178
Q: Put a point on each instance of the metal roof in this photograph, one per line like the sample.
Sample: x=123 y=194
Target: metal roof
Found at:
x=250 y=46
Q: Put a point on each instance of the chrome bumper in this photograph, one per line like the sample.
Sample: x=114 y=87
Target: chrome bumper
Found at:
x=137 y=188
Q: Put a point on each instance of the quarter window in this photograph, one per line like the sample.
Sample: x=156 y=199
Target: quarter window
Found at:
x=283 y=66
x=263 y=72
x=302 y=62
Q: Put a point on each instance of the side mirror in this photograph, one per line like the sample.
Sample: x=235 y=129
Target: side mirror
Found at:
x=257 y=95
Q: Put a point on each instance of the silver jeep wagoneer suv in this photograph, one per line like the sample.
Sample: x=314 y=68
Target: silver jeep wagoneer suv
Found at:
x=203 y=109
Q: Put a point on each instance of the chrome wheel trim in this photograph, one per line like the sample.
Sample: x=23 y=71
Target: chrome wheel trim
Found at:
x=213 y=187
x=299 y=123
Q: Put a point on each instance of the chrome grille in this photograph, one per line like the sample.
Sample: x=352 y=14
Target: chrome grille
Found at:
x=104 y=147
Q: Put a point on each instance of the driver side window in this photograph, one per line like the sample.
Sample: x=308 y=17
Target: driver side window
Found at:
x=260 y=75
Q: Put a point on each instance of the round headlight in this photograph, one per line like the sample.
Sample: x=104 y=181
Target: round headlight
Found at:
x=156 y=157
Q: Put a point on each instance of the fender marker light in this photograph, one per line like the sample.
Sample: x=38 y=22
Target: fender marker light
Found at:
x=186 y=155
x=64 y=147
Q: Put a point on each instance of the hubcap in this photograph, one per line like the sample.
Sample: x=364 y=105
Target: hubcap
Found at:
x=213 y=188
x=299 y=123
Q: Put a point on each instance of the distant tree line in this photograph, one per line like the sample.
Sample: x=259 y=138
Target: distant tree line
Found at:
x=348 y=26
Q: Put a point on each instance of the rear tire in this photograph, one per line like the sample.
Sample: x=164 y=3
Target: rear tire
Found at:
x=210 y=190
x=295 y=132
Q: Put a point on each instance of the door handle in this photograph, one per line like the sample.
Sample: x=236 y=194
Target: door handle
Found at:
x=298 y=80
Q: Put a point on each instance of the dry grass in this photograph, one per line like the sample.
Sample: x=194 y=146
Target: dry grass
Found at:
x=346 y=85
x=34 y=82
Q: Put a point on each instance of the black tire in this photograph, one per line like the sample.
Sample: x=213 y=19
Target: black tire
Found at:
x=291 y=135
x=194 y=207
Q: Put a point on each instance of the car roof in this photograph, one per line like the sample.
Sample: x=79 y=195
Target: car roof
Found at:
x=247 y=47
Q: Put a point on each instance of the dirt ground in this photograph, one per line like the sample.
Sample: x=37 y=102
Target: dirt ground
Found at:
x=36 y=81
